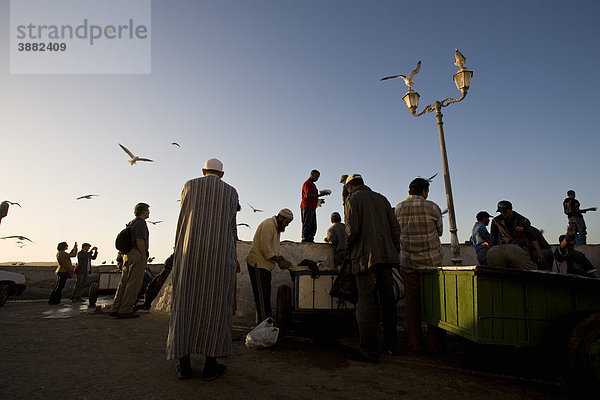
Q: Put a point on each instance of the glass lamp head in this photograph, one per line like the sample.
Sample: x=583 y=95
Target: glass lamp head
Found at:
x=462 y=79
x=411 y=98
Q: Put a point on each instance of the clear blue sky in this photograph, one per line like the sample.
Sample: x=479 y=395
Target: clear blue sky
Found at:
x=276 y=88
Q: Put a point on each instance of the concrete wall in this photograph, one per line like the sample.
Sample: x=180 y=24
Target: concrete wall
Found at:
x=295 y=252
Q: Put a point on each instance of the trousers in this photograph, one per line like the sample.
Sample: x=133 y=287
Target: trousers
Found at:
x=260 y=279
x=309 y=224
x=56 y=295
x=132 y=278
x=375 y=292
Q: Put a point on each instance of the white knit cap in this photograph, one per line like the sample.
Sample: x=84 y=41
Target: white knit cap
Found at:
x=286 y=213
x=214 y=165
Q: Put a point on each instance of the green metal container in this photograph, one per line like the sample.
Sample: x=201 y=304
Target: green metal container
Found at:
x=503 y=306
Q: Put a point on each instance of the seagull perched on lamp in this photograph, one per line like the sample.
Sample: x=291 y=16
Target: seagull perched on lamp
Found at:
x=133 y=159
x=459 y=59
x=408 y=80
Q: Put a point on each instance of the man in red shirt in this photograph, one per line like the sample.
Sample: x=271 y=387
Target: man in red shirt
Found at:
x=308 y=206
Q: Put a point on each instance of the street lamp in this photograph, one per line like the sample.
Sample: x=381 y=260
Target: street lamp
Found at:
x=462 y=79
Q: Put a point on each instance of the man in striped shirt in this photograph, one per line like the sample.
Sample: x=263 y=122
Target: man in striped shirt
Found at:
x=420 y=230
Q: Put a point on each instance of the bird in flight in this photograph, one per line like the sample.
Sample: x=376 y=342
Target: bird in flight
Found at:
x=150 y=259
x=12 y=203
x=408 y=80
x=103 y=262
x=255 y=209
x=244 y=224
x=459 y=59
x=87 y=196
x=155 y=222
x=175 y=144
x=21 y=238
x=133 y=159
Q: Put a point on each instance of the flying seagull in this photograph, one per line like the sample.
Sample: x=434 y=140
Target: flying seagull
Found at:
x=87 y=196
x=175 y=144
x=17 y=237
x=244 y=224
x=155 y=222
x=431 y=178
x=459 y=59
x=255 y=209
x=103 y=262
x=134 y=159
x=12 y=203
x=409 y=80
x=150 y=259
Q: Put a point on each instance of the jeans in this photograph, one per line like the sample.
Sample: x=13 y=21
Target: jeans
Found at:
x=309 y=224
x=81 y=279
x=375 y=292
x=56 y=295
x=581 y=228
x=509 y=256
x=260 y=279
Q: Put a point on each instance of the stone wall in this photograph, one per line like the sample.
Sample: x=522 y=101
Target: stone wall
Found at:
x=295 y=252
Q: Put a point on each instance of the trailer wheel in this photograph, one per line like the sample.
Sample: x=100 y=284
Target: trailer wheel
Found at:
x=283 y=315
x=3 y=294
x=582 y=372
x=93 y=294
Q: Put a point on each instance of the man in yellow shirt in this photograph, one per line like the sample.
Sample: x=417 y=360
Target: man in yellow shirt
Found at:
x=264 y=254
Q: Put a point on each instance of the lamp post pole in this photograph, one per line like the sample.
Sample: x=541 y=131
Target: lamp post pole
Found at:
x=462 y=79
x=456 y=257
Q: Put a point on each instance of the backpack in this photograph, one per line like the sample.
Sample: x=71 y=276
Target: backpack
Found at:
x=124 y=240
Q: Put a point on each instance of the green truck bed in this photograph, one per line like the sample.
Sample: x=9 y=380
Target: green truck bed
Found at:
x=503 y=306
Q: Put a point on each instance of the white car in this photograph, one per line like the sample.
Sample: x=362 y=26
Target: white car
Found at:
x=11 y=284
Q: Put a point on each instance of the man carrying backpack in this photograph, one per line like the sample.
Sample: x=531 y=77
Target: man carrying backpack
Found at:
x=135 y=261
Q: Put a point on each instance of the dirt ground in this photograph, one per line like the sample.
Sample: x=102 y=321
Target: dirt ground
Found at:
x=70 y=352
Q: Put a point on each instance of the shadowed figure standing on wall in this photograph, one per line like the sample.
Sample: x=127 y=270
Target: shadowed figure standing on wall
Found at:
x=571 y=208
x=308 y=206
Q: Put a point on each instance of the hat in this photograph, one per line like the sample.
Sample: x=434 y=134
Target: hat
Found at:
x=352 y=177
x=343 y=178
x=286 y=213
x=213 y=164
x=504 y=205
x=482 y=214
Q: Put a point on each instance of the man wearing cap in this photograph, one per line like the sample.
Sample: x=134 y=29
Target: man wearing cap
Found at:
x=204 y=268
x=481 y=237
x=509 y=233
x=263 y=255
x=308 y=206
x=373 y=243
x=336 y=236
x=571 y=207
x=420 y=230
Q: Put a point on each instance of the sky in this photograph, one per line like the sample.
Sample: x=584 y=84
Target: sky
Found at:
x=276 y=88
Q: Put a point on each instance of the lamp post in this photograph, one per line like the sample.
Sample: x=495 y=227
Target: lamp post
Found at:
x=462 y=79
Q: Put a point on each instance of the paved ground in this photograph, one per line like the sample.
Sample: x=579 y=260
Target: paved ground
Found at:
x=69 y=352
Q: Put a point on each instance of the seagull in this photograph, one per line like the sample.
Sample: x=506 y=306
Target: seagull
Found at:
x=244 y=224
x=155 y=222
x=103 y=262
x=12 y=203
x=17 y=237
x=459 y=59
x=408 y=80
x=134 y=159
x=87 y=196
x=150 y=259
x=175 y=144
x=255 y=209
x=431 y=178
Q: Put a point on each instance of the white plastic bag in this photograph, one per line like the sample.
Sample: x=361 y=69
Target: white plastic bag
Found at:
x=263 y=336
